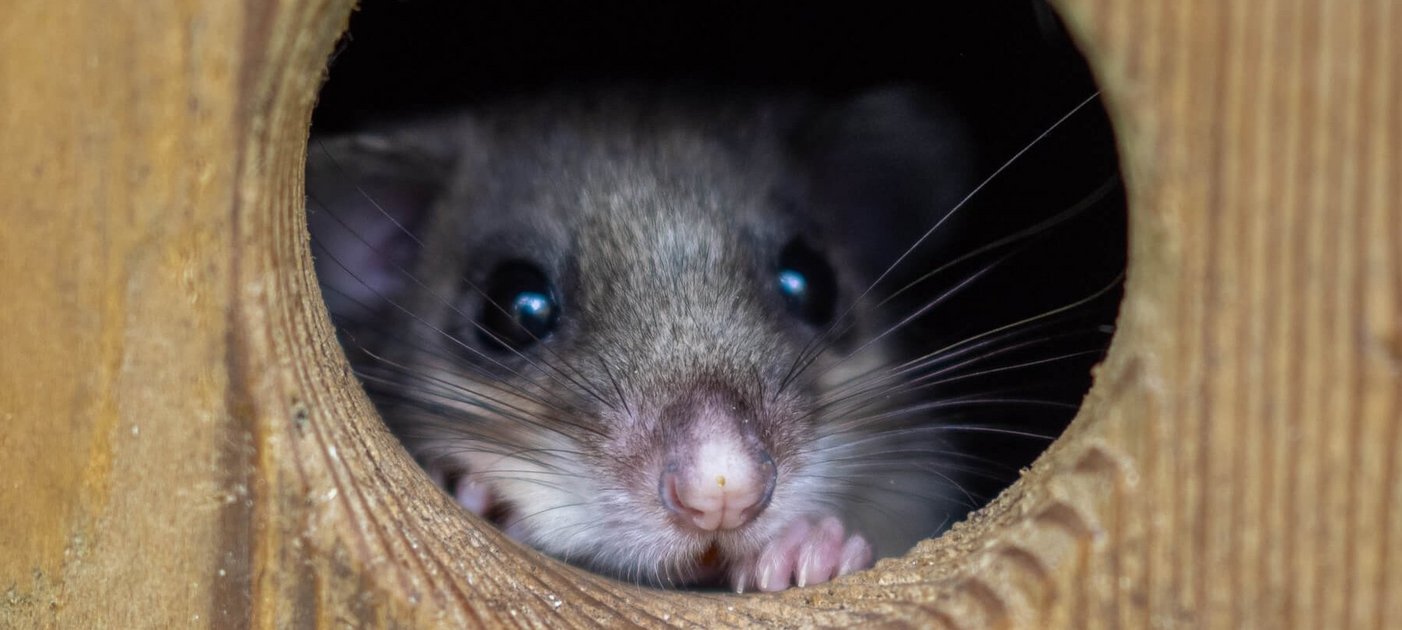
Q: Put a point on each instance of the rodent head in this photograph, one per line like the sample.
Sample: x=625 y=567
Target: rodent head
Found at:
x=626 y=325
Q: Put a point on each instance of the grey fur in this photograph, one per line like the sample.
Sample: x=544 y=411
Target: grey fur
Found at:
x=660 y=219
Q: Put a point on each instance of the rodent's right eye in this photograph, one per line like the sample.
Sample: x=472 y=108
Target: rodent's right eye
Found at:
x=521 y=307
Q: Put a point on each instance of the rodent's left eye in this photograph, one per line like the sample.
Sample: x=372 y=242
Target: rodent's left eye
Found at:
x=521 y=308
x=806 y=282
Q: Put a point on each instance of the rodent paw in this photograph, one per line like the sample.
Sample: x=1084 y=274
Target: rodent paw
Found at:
x=802 y=554
x=472 y=495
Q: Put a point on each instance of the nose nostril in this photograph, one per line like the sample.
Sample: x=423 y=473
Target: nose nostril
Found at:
x=671 y=497
x=770 y=474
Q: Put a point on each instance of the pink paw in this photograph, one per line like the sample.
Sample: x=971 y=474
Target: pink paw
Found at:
x=802 y=554
x=471 y=494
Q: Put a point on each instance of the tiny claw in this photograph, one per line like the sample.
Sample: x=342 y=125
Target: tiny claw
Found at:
x=856 y=555
x=803 y=554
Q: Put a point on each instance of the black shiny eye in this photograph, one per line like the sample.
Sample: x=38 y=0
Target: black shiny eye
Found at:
x=806 y=282
x=521 y=308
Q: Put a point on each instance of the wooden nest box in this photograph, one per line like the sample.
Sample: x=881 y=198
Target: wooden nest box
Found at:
x=181 y=440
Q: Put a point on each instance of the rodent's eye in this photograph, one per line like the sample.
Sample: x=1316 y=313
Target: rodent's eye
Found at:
x=521 y=308
x=807 y=283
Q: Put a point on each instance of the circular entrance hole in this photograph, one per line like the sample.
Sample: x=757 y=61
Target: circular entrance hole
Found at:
x=578 y=255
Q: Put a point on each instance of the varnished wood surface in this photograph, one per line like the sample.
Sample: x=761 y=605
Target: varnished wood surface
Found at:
x=180 y=442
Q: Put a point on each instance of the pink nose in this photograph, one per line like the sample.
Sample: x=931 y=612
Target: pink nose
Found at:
x=723 y=488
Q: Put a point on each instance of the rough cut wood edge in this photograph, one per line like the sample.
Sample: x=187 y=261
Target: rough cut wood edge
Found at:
x=182 y=442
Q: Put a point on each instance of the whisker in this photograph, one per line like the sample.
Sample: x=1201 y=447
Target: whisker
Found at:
x=432 y=350
x=1086 y=202
x=447 y=389
x=928 y=381
x=562 y=506
x=871 y=387
x=1045 y=315
x=419 y=320
x=440 y=299
x=940 y=299
x=928 y=233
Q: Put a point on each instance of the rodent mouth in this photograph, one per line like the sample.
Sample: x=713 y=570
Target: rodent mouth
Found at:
x=710 y=557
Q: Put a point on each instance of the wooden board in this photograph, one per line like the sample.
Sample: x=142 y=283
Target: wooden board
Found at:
x=182 y=442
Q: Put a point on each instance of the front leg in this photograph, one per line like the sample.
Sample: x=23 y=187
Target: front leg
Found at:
x=803 y=553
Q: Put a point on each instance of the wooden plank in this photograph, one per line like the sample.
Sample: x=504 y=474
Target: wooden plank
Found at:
x=183 y=442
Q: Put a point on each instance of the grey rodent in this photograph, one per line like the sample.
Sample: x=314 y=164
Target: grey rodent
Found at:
x=634 y=330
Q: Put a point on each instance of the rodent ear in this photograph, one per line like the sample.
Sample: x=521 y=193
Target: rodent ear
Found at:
x=887 y=164
x=368 y=194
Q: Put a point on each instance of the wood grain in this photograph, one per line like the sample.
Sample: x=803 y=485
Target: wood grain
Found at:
x=183 y=443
